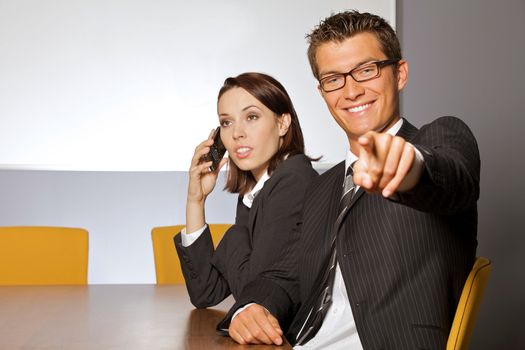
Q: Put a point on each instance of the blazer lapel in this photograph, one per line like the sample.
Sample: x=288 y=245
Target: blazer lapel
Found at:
x=335 y=193
x=407 y=131
x=252 y=217
x=354 y=199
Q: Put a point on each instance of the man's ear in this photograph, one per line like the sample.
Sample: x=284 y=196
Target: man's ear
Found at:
x=284 y=123
x=402 y=74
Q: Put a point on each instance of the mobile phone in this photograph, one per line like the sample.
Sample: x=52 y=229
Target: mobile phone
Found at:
x=216 y=152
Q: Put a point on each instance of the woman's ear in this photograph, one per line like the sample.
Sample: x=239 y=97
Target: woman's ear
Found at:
x=284 y=123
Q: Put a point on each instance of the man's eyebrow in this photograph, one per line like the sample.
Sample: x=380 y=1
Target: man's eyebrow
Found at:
x=360 y=63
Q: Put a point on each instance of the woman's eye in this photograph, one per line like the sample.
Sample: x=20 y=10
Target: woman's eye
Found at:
x=225 y=123
x=252 y=117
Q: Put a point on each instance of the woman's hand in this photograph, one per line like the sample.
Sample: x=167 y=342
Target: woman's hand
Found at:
x=201 y=183
x=201 y=179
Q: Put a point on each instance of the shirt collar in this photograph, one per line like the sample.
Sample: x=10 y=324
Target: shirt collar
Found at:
x=250 y=196
x=393 y=130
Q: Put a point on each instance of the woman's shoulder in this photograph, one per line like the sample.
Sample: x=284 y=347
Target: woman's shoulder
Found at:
x=290 y=179
x=297 y=166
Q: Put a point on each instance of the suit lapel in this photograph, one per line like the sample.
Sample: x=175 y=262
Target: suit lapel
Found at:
x=335 y=192
x=336 y=195
x=252 y=217
x=357 y=195
x=407 y=131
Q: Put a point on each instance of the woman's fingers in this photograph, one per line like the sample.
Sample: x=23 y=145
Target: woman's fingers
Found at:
x=201 y=150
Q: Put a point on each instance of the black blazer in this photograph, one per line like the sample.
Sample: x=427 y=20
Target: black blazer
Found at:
x=404 y=261
x=262 y=241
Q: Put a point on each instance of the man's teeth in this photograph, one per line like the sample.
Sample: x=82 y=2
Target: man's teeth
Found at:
x=359 y=108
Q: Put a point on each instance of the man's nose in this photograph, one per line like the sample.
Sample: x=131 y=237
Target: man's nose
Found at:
x=352 y=89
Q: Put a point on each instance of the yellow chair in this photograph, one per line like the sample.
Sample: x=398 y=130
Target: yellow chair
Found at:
x=36 y=255
x=167 y=265
x=468 y=306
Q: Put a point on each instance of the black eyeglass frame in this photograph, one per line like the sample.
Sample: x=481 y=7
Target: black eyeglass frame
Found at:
x=378 y=64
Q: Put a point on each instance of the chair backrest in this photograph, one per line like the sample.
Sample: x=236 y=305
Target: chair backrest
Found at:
x=167 y=265
x=36 y=255
x=468 y=306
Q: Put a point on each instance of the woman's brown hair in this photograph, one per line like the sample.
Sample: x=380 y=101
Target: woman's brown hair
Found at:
x=273 y=95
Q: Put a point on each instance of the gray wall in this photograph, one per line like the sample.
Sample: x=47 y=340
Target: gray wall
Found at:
x=119 y=209
x=466 y=58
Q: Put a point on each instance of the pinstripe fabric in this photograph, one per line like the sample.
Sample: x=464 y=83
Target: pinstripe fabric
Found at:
x=403 y=262
x=323 y=298
x=262 y=243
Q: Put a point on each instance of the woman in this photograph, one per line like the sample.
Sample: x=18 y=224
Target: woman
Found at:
x=268 y=168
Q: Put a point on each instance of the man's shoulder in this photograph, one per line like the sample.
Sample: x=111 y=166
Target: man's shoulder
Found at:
x=447 y=121
x=444 y=128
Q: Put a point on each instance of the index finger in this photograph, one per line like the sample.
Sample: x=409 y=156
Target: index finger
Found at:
x=366 y=151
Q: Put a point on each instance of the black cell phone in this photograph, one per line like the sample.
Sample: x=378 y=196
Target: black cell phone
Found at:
x=216 y=152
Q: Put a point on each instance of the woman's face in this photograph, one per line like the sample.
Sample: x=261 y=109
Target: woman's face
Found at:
x=249 y=130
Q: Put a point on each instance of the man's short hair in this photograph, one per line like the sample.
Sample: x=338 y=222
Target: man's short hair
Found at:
x=343 y=25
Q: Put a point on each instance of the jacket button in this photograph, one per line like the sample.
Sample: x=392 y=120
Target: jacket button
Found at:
x=347 y=254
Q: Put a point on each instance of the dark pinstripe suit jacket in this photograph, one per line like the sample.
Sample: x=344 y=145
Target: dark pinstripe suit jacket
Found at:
x=404 y=261
x=262 y=242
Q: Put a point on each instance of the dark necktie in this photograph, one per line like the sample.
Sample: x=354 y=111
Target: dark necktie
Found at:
x=324 y=299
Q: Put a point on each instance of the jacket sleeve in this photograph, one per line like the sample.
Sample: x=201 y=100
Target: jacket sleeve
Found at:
x=450 y=181
x=269 y=274
x=206 y=286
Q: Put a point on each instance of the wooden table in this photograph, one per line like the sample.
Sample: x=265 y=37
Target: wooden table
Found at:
x=109 y=317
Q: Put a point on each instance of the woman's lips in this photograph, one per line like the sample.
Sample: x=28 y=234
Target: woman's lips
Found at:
x=243 y=152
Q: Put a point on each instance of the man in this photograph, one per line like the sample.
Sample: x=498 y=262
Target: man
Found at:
x=384 y=271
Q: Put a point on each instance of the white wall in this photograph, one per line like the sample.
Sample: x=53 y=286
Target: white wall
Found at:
x=132 y=84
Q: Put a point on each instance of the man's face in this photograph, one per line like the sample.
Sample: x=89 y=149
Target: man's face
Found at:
x=370 y=105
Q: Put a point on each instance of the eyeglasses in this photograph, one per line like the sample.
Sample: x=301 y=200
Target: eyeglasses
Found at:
x=362 y=73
